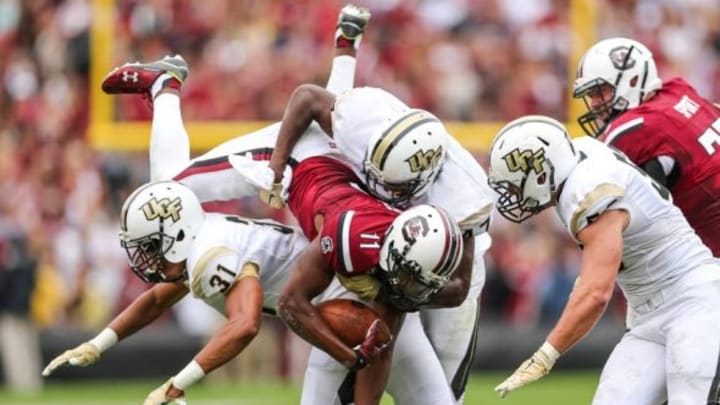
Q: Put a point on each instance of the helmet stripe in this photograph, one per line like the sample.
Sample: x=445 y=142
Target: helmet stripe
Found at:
x=397 y=131
x=449 y=255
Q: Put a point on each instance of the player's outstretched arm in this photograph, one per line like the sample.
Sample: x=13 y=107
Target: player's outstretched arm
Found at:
x=145 y=309
x=308 y=103
x=243 y=308
x=601 y=259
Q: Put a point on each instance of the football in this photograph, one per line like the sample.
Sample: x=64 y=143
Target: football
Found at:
x=350 y=320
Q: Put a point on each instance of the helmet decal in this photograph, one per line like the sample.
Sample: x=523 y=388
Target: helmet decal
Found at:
x=395 y=132
x=414 y=228
x=163 y=208
x=620 y=57
x=424 y=160
x=525 y=160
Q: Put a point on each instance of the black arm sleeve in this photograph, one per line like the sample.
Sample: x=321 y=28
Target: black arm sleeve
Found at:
x=655 y=170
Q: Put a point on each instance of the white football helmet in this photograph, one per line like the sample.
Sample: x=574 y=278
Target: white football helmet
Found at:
x=404 y=159
x=159 y=221
x=529 y=159
x=625 y=66
x=420 y=252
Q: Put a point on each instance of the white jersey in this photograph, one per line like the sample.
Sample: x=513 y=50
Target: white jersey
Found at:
x=226 y=243
x=213 y=177
x=659 y=246
x=461 y=188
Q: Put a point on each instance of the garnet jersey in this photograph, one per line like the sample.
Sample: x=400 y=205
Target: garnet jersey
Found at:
x=354 y=222
x=225 y=243
x=461 y=187
x=679 y=124
x=659 y=246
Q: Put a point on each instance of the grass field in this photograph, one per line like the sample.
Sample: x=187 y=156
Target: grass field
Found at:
x=556 y=389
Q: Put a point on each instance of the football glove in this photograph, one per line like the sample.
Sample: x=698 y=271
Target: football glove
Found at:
x=368 y=350
x=530 y=370
x=81 y=356
x=159 y=396
x=274 y=196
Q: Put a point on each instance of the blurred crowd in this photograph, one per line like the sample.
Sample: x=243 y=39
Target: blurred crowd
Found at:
x=491 y=60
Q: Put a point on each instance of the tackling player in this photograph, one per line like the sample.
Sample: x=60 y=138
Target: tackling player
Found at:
x=632 y=234
x=405 y=156
x=213 y=176
x=666 y=128
x=236 y=265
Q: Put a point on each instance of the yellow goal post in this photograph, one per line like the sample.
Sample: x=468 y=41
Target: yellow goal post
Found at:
x=107 y=134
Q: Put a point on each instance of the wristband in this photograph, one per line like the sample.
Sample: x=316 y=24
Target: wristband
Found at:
x=104 y=340
x=360 y=360
x=550 y=351
x=191 y=374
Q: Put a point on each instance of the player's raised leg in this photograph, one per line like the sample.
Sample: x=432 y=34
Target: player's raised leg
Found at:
x=161 y=81
x=351 y=25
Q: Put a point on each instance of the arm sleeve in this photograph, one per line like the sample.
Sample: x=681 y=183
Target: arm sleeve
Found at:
x=654 y=168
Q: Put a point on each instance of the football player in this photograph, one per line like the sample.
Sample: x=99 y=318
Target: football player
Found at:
x=236 y=265
x=213 y=176
x=666 y=128
x=405 y=157
x=632 y=234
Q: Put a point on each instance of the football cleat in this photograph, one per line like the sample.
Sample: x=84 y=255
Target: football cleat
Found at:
x=139 y=77
x=352 y=21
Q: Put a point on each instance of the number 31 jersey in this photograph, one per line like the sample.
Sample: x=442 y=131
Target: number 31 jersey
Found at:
x=226 y=243
x=680 y=124
x=659 y=246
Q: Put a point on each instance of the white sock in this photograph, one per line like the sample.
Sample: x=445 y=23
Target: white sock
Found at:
x=342 y=75
x=169 y=141
x=158 y=84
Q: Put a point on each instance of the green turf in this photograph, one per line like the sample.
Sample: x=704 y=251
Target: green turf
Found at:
x=555 y=389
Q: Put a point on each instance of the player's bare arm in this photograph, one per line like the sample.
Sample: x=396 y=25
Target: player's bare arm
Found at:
x=308 y=103
x=147 y=307
x=456 y=290
x=601 y=259
x=370 y=382
x=141 y=312
x=311 y=277
x=243 y=309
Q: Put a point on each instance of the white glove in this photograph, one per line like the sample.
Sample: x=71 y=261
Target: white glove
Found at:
x=531 y=370
x=159 y=396
x=81 y=356
x=259 y=175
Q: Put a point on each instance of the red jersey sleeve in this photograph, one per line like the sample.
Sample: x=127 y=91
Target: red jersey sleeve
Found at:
x=350 y=240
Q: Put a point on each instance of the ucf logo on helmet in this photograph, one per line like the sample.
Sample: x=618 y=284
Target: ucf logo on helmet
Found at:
x=424 y=160
x=163 y=208
x=525 y=160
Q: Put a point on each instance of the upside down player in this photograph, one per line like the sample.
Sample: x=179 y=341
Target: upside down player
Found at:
x=666 y=128
x=405 y=156
x=213 y=177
